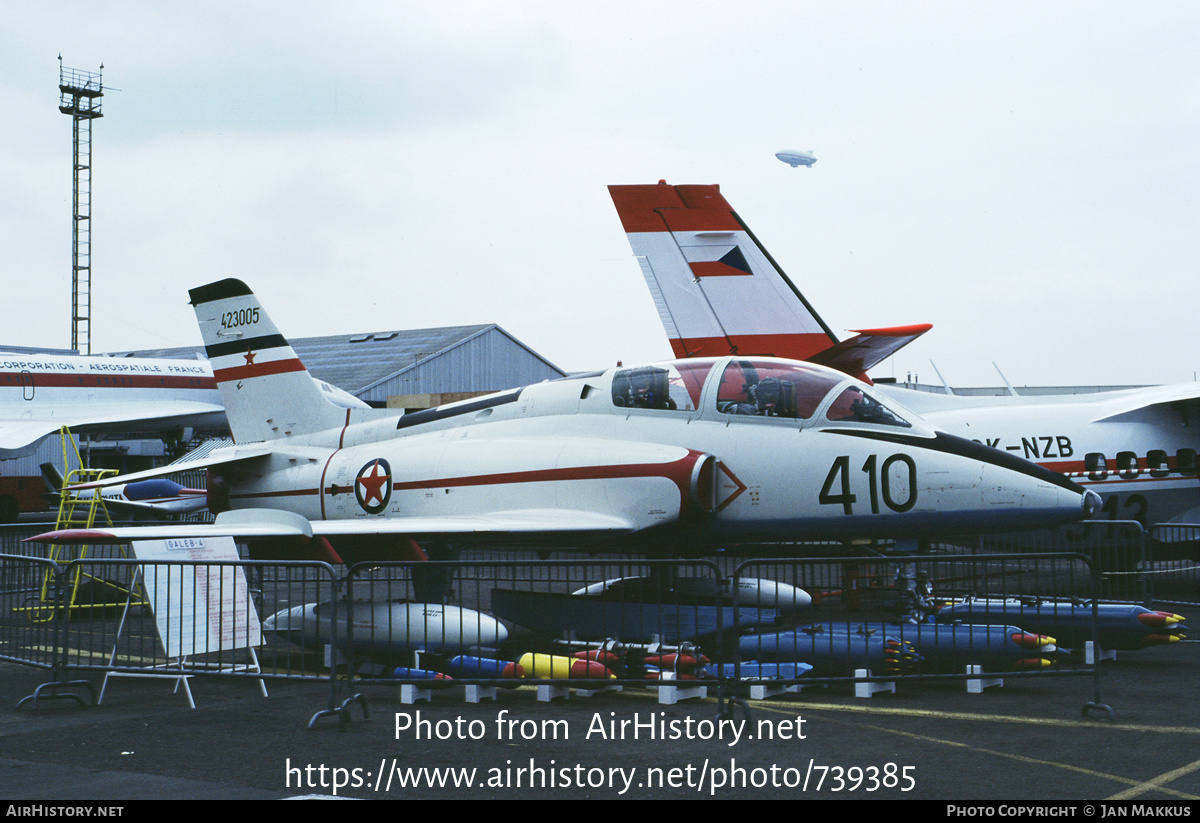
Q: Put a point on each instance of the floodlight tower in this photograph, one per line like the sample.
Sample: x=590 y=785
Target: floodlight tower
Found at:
x=80 y=93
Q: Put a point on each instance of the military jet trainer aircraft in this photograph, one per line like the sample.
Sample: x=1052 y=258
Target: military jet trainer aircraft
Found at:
x=718 y=290
x=700 y=452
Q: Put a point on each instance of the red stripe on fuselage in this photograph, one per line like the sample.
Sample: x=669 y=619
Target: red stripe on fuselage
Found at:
x=324 y=471
x=282 y=493
x=39 y=380
x=1076 y=469
x=546 y=476
x=1140 y=479
x=678 y=472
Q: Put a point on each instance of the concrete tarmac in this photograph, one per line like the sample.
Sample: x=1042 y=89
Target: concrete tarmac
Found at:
x=1026 y=741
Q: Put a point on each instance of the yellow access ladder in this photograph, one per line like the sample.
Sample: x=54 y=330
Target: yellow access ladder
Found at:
x=78 y=509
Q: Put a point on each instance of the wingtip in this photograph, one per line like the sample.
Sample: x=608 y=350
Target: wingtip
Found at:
x=71 y=536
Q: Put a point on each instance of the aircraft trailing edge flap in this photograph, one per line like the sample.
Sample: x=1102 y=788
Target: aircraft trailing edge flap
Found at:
x=868 y=347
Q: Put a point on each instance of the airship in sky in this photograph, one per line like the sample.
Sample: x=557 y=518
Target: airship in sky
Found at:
x=796 y=158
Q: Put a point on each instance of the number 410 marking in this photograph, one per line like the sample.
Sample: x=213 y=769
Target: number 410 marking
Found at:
x=878 y=482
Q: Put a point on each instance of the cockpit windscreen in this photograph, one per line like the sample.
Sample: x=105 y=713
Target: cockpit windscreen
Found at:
x=671 y=386
x=774 y=389
x=761 y=388
x=854 y=405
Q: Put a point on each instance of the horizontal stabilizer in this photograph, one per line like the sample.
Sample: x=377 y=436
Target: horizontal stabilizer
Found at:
x=868 y=347
x=219 y=457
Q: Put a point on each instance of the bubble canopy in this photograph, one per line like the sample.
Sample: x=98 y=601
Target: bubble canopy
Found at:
x=754 y=387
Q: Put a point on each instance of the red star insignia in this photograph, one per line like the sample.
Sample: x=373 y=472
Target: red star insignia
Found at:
x=372 y=483
x=249 y=358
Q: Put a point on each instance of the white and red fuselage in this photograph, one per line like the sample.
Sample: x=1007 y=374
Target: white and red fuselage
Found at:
x=691 y=464
x=697 y=452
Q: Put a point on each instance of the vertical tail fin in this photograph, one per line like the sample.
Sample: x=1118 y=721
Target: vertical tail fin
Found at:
x=718 y=291
x=267 y=392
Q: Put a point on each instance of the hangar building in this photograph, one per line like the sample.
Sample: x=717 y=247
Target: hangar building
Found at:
x=417 y=368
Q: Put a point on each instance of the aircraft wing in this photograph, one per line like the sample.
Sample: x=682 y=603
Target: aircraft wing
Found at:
x=219 y=457
x=1183 y=398
x=256 y=523
x=868 y=347
x=21 y=437
x=22 y=429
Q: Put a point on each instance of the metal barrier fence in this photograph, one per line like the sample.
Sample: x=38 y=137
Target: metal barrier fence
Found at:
x=729 y=624
x=164 y=619
x=1136 y=564
x=1175 y=574
x=27 y=634
x=1160 y=565
x=760 y=628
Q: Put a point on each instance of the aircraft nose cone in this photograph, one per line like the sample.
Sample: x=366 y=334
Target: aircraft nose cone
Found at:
x=1091 y=504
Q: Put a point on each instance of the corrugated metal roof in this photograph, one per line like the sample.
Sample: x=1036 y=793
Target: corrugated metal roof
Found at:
x=488 y=361
x=354 y=362
x=360 y=362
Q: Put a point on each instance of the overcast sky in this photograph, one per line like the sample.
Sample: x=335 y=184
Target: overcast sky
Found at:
x=1022 y=175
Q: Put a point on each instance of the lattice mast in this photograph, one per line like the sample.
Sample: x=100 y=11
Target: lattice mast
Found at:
x=79 y=96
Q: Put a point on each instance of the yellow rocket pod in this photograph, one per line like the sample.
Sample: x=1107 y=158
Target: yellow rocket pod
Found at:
x=540 y=666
